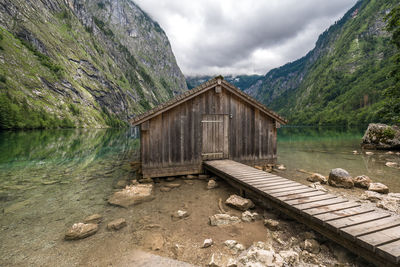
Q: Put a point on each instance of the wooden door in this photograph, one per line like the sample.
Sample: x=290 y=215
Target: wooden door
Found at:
x=215 y=136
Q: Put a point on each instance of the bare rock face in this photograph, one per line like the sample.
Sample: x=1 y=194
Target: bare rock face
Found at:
x=94 y=218
x=378 y=187
x=340 y=178
x=239 y=202
x=81 y=230
x=381 y=136
x=116 y=224
x=362 y=181
x=316 y=177
x=223 y=219
x=132 y=195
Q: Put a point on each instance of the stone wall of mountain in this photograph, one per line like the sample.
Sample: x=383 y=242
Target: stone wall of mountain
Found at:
x=341 y=80
x=240 y=81
x=81 y=63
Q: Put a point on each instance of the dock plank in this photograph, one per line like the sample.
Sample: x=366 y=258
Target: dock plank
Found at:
x=382 y=237
x=366 y=231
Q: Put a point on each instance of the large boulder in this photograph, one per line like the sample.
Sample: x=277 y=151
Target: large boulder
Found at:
x=340 y=178
x=378 y=187
x=381 y=136
x=81 y=230
x=131 y=195
x=223 y=219
x=239 y=202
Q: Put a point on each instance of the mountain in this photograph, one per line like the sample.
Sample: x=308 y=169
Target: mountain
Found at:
x=240 y=81
x=341 y=80
x=81 y=63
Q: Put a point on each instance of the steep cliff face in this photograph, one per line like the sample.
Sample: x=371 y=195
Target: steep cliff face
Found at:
x=341 y=80
x=81 y=63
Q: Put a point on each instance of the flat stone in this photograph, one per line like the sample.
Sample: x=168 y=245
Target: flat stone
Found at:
x=165 y=189
x=371 y=196
x=212 y=184
x=116 y=224
x=378 y=187
x=239 y=202
x=121 y=184
x=392 y=164
x=188 y=182
x=81 y=230
x=362 y=181
x=132 y=195
x=94 y=218
x=281 y=167
x=316 y=177
x=207 y=243
x=272 y=224
x=369 y=153
x=172 y=185
x=223 y=219
x=340 y=178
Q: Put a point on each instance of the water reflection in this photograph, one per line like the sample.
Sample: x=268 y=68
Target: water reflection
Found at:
x=322 y=149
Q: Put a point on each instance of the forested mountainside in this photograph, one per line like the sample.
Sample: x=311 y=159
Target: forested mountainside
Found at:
x=240 y=81
x=342 y=80
x=81 y=63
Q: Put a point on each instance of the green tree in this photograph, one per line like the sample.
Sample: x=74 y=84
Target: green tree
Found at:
x=391 y=109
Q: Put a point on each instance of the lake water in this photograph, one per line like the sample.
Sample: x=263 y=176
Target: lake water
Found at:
x=51 y=179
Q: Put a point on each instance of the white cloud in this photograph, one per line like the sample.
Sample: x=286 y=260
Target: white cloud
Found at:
x=242 y=36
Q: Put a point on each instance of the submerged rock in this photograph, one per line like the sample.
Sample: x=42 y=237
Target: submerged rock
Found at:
x=392 y=164
x=381 y=136
x=239 y=202
x=94 y=218
x=340 y=178
x=165 y=189
x=81 y=230
x=172 y=185
x=212 y=184
x=316 y=177
x=203 y=176
x=378 y=187
x=170 y=179
x=116 y=224
x=131 y=195
x=223 y=219
x=362 y=181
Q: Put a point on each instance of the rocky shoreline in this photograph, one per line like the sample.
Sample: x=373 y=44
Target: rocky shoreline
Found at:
x=220 y=228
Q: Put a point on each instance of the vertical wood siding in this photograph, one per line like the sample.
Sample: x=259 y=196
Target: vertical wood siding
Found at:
x=172 y=145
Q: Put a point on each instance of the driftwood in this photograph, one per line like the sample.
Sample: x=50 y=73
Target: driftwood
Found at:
x=221 y=207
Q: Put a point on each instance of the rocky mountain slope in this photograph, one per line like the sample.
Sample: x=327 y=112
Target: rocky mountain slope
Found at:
x=341 y=80
x=81 y=63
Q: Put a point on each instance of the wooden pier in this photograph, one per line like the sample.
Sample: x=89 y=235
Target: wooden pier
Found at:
x=368 y=232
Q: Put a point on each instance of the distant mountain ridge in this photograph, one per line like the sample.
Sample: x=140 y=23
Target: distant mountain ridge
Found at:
x=240 y=81
x=341 y=80
x=81 y=63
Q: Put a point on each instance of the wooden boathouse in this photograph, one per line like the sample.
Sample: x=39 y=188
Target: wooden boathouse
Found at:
x=215 y=120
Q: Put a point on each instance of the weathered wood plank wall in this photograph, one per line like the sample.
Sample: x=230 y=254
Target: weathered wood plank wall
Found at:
x=172 y=142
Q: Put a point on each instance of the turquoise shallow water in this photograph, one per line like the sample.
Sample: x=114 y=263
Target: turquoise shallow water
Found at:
x=51 y=179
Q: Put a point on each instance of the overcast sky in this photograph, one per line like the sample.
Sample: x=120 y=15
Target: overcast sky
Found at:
x=242 y=36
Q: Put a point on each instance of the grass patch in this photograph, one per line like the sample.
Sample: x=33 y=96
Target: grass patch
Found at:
x=102 y=26
x=74 y=109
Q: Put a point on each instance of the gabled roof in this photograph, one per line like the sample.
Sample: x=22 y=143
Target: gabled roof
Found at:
x=219 y=80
